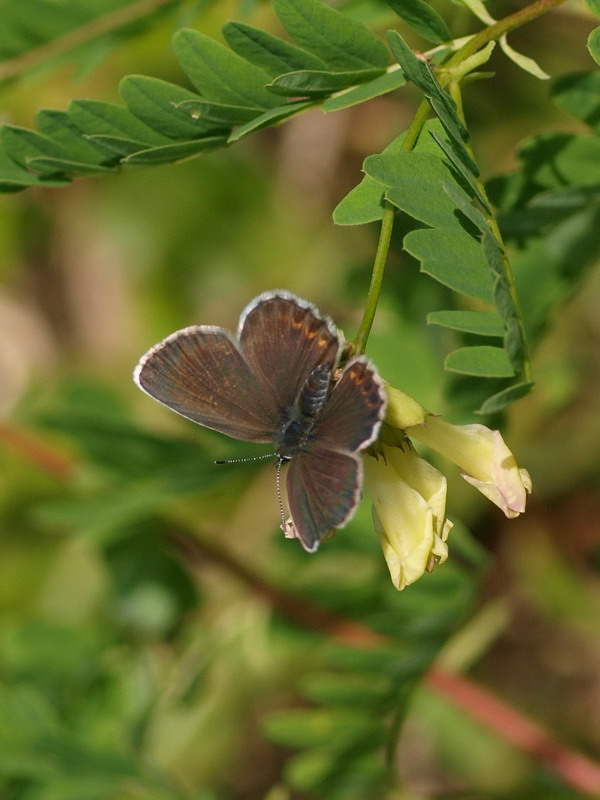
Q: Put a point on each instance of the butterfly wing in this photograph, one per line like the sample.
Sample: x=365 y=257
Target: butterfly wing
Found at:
x=324 y=480
x=200 y=373
x=352 y=416
x=283 y=338
x=323 y=489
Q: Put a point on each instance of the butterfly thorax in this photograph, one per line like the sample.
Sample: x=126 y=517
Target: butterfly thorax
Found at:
x=300 y=419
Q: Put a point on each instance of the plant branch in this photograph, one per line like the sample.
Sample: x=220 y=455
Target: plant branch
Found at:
x=574 y=769
x=491 y=33
x=577 y=771
x=383 y=246
x=36 y=451
x=385 y=236
x=498 y=29
x=99 y=26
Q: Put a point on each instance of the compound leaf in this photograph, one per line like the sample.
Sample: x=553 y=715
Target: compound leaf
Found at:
x=343 y=43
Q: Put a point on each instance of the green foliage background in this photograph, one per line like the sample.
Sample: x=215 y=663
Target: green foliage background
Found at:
x=148 y=647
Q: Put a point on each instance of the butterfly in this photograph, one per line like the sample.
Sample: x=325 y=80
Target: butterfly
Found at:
x=279 y=381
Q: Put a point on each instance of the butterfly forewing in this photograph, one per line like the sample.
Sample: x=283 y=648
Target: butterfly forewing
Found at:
x=283 y=339
x=352 y=416
x=200 y=373
x=323 y=488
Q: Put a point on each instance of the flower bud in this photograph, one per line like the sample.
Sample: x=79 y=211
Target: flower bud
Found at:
x=409 y=502
x=485 y=460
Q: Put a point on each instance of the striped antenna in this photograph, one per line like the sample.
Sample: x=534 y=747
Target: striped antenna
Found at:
x=241 y=460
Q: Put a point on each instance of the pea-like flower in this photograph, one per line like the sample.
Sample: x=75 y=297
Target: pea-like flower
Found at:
x=409 y=508
x=481 y=453
x=409 y=494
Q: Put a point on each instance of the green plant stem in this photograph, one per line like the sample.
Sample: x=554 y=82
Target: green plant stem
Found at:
x=491 y=33
x=383 y=246
x=385 y=236
x=99 y=26
x=498 y=29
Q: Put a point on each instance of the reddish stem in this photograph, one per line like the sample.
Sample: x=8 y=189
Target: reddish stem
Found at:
x=36 y=451
x=575 y=769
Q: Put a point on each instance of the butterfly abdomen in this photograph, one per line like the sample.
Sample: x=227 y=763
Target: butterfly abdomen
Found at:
x=313 y=396
x=314 y=392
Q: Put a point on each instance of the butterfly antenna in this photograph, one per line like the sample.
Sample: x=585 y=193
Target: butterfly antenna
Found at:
x=279 y=497
x=241 y=460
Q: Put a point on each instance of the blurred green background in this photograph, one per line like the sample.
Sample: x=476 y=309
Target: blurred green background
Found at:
x=134 y=664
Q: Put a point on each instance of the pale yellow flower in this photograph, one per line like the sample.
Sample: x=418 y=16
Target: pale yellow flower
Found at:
x=485 y=460
x=409 y=503
x=481 y=453
x=409 y=494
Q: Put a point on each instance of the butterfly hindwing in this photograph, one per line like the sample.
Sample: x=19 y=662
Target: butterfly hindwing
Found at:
x=354 y=410
x=323 y=489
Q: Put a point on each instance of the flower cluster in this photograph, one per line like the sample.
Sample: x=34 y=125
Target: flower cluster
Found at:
x=409 y=494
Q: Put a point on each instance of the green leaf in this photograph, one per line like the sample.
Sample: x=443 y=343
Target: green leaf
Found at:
x=219 y=73
x=354 y=776
x=500 y=400
x=547 y=269
x=484 y=361
x=579 y=94
x=156 y=103
x=556 y=160
x=269 y=118
x=269 y=52
x=419 y=72
x=309 y=770
x=423 y=19
x=60 y=127
x=416 y=181
x=14 y=177
x=594 y=6
x=353 y=690
x=459 y=165
x=59 y=165
x=343 y=43
x=453 y=258
x=170 y=153
x=315 y=83
x=482 y=323
x=37 y=21
x=45 y=31
x=219 y=113
x=513 y=343
x=477 y=7
x=94 y=117
x=547 y=209
x=593 y=44
x=364 y=203
x=359 y=94
x=23 y=145
x=524 y=62
x=317 y=728
x=117 y=144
